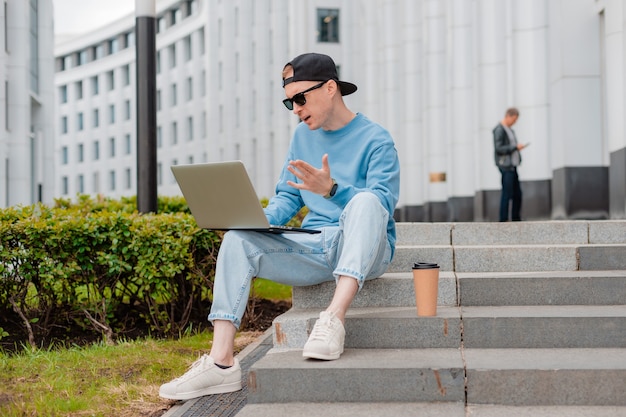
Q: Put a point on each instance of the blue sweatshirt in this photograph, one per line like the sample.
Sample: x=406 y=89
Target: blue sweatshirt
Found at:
x=361 y=156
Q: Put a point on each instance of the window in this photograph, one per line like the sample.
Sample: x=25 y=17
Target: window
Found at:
x=174 y=133
x=203 y=126
x=189 y=128
x=173 y=98
x=111 y=113
x=159 y=137
x=80 y=153
x=158 y=100
x=95 y=85
x=79 y=121
x=187 y=48
x=81 y=58
x=96 y=117
x=67 y=62
x=112 y=180
x=113 y=45
x=64 y=186
x=96 y=150
x=328 y=25
x=127 y=110
x=161 y=24
x=126 y=75
x=129 y=39
x=81 y=184
x=189 y=92
x=64 y=155
x=78 y=87
x=96 y=182
x=111 y=80
x=64 y=124
x=127 y=178
x=172 y=55
x=63 y=94
x=127 y=144
x=158 y=62
x=201 y=41
x=98 y=51
x=112 y=147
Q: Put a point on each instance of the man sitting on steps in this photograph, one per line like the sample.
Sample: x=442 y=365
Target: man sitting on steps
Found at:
x=344 y=168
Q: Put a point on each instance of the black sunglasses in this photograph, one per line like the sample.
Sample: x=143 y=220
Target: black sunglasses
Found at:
x=299 y=98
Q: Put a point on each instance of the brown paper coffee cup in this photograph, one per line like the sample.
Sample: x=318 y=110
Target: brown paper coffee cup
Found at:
x=426 y=284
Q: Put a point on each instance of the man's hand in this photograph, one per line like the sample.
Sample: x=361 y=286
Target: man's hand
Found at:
x=317 y=181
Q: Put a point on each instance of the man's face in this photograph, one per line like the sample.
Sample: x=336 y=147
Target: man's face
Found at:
x=314 y=112
x=510 y=120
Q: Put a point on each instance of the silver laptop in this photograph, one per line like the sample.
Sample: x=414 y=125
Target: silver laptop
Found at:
x=221 y=197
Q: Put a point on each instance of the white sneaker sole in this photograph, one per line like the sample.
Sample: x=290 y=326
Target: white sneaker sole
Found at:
x=317 y=355
x=218 y=389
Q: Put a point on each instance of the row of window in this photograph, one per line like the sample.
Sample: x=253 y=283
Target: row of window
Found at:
x=95 y=118
x=80 y=150
x=126 y=40
x=112 y=184
x=173 y=135
x=94 y=82
x=125 y=73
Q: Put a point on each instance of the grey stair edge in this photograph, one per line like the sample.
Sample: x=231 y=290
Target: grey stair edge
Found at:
x=551 y=359
x=389 y=375
x=291 y=329
x=435 y=358
x=491 y=410
x=345 y=409
x=608 y=273
x=528 y=377
x=391 y=289
x=543 y=311
x=571 y=231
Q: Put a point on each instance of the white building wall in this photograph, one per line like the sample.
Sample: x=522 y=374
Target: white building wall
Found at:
x=575 y=89
x=26 y=137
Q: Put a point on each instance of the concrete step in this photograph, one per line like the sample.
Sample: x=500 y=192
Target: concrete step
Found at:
x=344 y=409
x=576 y=232
x=543 y=288
x=511 y=258
x=506 y=377
x=361 y=375
x=544 y=327
x=390 y=290
x=482 y=289
x=518 y=246
x=425 y=409
x=482 y=327
x=533 y=377
x=376 y=328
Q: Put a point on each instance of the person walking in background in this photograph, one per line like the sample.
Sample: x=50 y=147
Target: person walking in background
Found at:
x=345 y=169
x=508 y=158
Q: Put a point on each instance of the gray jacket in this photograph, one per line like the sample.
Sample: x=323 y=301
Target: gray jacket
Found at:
x=503 y=148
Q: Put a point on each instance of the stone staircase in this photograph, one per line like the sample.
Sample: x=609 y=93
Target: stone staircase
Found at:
x=531 y=322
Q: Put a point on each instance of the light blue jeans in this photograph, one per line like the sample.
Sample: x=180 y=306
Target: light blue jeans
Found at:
x=357 y=248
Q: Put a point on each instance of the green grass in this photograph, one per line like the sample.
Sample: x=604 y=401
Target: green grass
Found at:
x=269 y=290
x=100 y=380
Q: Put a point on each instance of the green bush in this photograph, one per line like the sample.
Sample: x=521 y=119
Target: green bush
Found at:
x=99 y=264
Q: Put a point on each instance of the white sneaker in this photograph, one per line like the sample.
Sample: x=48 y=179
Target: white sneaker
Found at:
x=203 y=378
x=326 y=339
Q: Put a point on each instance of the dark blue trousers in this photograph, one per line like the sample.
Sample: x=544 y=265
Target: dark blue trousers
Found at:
x=511 y=190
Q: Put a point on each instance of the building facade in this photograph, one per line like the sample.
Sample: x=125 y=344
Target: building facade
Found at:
x=26 y=102
x=439 y=74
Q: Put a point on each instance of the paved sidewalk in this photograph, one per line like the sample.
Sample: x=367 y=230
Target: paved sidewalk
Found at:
x=226 y=405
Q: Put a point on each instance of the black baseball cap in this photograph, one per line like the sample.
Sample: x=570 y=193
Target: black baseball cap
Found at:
x=317 y=67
